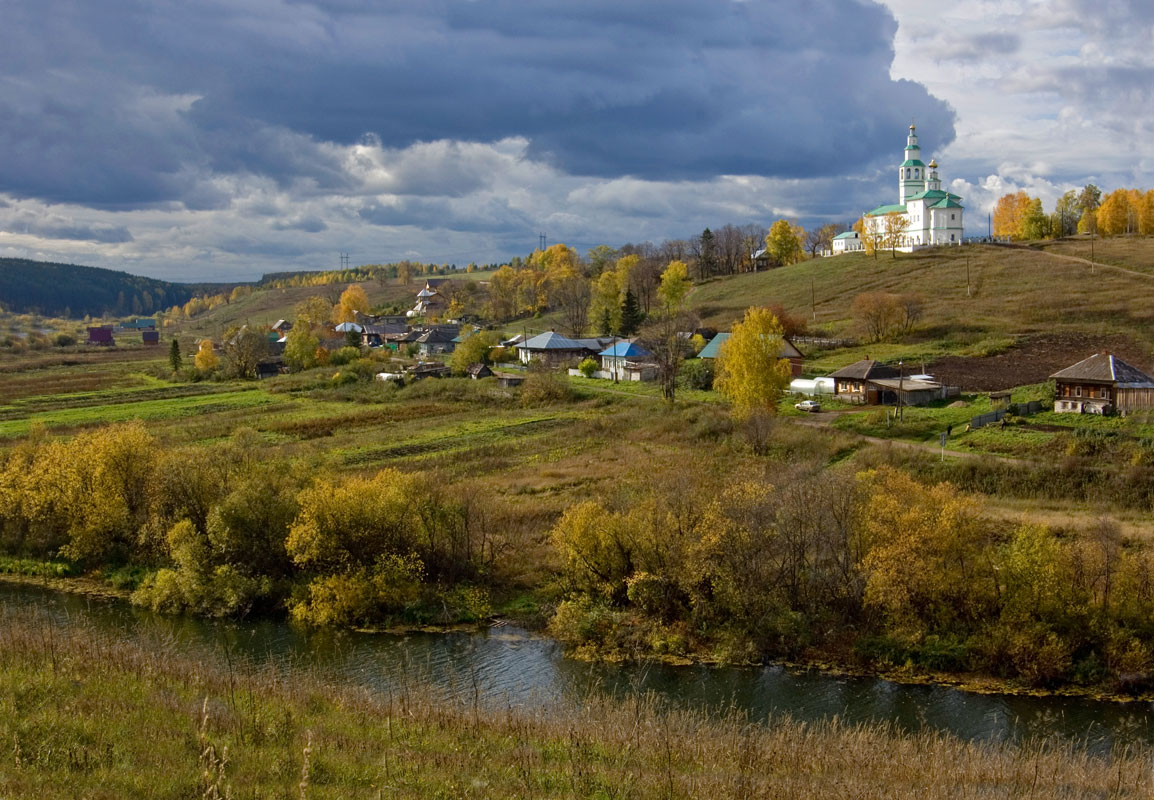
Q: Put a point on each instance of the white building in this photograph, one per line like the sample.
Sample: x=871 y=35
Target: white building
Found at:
x=847 y=242
x=927 y=215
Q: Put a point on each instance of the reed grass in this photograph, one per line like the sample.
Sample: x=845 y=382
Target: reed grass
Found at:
x=95 y=715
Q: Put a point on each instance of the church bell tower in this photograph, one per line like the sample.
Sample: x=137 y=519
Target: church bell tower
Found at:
x=912 y=176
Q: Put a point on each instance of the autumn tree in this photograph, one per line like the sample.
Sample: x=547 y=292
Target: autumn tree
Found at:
x=353 y=300
x=1089 y=198
x=313 y=311
x=675 y=285
x=1066 y=215
x=782 y=242
x=750 y=371
x=571 y=293
x=474 y=349
x=1113 y=216
x=893 y=231
x=662 y=335
x=243 y=350
x=924 y=562
x=1035 y=223
x=300 y=347
x=605 y=306
x=1009 y=215
x=880 y=315
x=206 y=359
x=1146 y=214
x=821 y=239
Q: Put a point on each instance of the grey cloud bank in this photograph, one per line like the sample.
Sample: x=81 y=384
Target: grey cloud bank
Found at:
x=182 y=138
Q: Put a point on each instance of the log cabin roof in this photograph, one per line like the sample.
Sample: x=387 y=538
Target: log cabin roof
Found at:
x=1105 y=368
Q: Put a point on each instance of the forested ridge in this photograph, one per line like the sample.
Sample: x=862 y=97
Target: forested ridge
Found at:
x=77 y=291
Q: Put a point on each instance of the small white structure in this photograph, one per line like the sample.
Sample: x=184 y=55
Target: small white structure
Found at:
x=812 y=387
x=847 y=242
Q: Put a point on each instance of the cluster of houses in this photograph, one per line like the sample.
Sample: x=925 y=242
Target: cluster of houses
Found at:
x=104 y=335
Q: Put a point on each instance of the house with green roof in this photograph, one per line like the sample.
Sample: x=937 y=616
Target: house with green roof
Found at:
x=927 y=215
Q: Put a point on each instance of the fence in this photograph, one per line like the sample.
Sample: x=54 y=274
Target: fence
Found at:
x=1021 y=409
x=819 y=343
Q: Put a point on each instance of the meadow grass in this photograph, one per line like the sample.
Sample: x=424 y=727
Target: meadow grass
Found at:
x=89 y=714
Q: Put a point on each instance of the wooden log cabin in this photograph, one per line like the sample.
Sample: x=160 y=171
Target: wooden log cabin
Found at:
x=1102 y=384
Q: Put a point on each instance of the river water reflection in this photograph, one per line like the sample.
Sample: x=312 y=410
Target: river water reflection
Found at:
x=509 y=666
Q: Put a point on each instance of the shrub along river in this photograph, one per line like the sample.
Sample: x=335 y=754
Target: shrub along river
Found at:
x=509 y=666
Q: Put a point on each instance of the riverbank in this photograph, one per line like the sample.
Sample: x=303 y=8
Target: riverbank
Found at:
x=90 y=714
x=906 y=675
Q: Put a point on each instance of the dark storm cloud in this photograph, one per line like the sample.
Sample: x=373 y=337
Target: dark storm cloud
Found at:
x=128 y=103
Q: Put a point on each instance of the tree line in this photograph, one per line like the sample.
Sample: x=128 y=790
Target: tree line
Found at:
x=1019 y=217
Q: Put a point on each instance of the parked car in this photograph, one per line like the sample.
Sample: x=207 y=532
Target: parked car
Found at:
x=808 y=405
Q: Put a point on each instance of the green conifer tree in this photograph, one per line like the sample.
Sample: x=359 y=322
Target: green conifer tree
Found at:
x=631 y=315
x=174 y=357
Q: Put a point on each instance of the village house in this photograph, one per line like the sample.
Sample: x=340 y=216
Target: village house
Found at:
x=436 y=341
x=847 y=242
x=430 y=302
x=478 y=371
x=627 y=361
x=1102 y=384
x=555 y=350
x=713 y=349
x=101 y=335
x=874 y=383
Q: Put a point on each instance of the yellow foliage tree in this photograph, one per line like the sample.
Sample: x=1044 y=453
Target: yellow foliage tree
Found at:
x=675 y=285
x=783 y=242
x=1146 y=214
x=750 y=370
x=1010 y=215
x=206 y=359
x=923 y=548
x=1114 y=213
x=353 y=299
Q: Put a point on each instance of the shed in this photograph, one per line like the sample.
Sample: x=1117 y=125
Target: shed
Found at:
x=150 y=337
x=478 y=371
x=101 y=335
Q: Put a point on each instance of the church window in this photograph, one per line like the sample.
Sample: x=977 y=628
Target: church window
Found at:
x=907 y=172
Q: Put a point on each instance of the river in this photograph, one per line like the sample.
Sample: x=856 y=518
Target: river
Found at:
x=507 y=665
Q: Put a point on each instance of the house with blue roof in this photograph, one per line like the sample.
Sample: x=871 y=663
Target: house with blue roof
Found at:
x=927 y=214
x=627 y=361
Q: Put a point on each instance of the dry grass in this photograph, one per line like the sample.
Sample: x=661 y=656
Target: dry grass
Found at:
x=88 y=715
x=1012 y=291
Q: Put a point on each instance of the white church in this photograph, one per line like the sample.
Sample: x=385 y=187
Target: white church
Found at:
x=929 y=215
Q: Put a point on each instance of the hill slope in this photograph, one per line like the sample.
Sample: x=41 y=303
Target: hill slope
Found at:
x=72 y=290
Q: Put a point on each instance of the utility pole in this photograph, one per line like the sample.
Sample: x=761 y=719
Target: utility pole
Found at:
x=344 y=261
x=542 y=240
x=967 y=274
x=901 y=385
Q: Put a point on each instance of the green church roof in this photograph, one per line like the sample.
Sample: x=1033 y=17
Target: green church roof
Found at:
x=913 y=162
x=847 y=235
x=881 y=211
x=950 y=201
x=928 y=194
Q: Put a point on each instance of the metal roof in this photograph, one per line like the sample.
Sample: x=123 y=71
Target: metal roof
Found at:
x=552 y=340
x=881 y=211
x=847 y=235
x=626 y=349
x=713 y=349
x=866 y=369
x=1105 y=368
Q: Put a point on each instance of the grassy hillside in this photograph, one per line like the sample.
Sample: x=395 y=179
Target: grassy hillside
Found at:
x=266 y=306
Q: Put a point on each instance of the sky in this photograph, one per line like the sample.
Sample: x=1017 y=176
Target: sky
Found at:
x=216 y=140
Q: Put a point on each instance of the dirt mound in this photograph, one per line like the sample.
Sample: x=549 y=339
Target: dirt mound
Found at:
x=1033 y=360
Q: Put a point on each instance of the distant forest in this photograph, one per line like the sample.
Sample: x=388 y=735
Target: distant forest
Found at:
x=70 y=290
